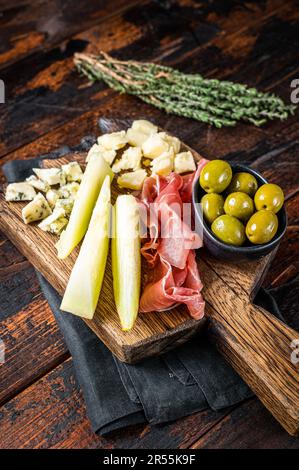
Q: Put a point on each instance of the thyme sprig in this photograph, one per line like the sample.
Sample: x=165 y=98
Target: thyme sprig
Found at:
x=216 y=102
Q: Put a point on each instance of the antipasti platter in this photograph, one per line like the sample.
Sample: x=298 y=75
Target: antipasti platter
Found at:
x=145 y=297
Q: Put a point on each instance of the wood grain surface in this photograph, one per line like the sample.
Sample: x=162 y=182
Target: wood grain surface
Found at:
x=48 y=105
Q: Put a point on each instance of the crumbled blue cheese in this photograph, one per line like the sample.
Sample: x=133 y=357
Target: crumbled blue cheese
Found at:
x=130 y=160
x=38 y=184
x=52 y=176
x=48 y=224
x=68 y=190
x=37 y=209
x=52 y=195
x=20 y=192
x=65 y=204
x=72 y=172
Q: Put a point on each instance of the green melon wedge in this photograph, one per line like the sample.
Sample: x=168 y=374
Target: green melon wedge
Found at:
x=96 y=171
x=84 y=286
x=126 y=259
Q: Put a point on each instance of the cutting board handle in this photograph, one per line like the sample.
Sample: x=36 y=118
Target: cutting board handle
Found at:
x=261 y=348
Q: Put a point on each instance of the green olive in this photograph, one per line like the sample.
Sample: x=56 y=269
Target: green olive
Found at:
x=212 y=206
x=239 y=205
x=270 y=197
x=244 y=182
x=215 y=176
x=229 y=230
x=261 y=227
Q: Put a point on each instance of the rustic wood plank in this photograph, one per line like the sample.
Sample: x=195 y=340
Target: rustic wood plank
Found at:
x=54 y=85
x=152 y=333
x=232 y=138
x=18 y=283
x=33 y=346
x=249 y=426
x=31 y=28
x=51 y=414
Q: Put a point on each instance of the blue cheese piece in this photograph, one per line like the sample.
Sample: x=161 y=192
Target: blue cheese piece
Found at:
x=72 y=172
x=52 y=176
x=38 y=184
x=132 y=180
x=130 y=160
x=113 y=141
x=57 y=226
x=45 y=225
x=65 y=204
x=184 y=162
x=68 y=190
x=52 y=195
x=20 y=192
x=37 y=209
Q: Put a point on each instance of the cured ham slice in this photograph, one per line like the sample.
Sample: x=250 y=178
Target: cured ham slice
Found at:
x=170 y=286
x=169 y=248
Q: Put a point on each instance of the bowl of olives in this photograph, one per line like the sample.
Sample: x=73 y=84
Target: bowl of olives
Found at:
x=240 y=214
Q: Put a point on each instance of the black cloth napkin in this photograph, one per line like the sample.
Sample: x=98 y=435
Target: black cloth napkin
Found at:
x=191 y=378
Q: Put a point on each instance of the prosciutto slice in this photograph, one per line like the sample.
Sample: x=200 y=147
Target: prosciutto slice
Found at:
x=169 y=248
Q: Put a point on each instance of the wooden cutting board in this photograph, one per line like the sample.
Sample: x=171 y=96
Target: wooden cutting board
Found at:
x=258 y=345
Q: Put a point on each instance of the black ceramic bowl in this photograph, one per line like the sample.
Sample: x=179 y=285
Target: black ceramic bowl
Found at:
x=224 y=251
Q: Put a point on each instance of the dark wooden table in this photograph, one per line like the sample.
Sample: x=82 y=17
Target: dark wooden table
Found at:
x=48 y=104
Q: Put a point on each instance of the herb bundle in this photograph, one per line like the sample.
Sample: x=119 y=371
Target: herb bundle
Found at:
x=217 y=102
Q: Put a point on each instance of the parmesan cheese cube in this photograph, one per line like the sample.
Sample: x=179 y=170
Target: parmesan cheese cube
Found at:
x=96 y=150
x=19 y=192
x=52 y=195
x=133 y=180
x=154 y=146
x=52 y=176
x=130 y=160
x=113 y=141
x=163 y=165
x=184 y=162
x=72 y=172
x=172 y=141
x=146 y=127
x=38 y=184
x=136 y=138
x=36 y=210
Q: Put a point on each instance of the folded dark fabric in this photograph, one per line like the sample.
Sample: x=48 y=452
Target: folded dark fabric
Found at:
x=160 y=389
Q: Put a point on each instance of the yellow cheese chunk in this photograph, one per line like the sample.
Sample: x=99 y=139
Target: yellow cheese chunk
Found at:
x=130 y=160
x=133 y=180
x=184 y=162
